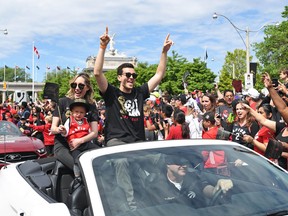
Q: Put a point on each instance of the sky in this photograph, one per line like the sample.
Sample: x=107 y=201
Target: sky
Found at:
x=66 y=32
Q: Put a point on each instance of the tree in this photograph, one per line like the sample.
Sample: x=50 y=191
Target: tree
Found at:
x=234 y=68
x=10 y=75
x=272 y=52
x=199 y=76
x=62 y=78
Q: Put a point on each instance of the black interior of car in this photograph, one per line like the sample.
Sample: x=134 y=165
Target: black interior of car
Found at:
x=56 y=183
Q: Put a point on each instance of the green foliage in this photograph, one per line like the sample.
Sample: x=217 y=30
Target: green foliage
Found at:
x=272 y=52
x=234 y=67
x=10 y=75
x=62 y=78
x=200 y=77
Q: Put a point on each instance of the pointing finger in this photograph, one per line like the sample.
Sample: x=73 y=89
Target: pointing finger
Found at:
x=106 y=30
x=167 y=37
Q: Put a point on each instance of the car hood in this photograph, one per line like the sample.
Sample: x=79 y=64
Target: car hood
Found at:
x=10 y=143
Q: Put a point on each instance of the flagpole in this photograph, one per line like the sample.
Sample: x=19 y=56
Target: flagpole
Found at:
x=4 y=73
x=33 y=99
x=46 y=73
x=15 y=74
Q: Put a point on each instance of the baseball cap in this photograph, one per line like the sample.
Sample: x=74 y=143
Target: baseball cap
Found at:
x=155 y=94
x=177 y=160
x=79 y=102
x=252 y=92
x=182 y=98
x=209 y=116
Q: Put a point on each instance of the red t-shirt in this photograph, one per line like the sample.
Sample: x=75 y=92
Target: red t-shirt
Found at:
x=263 y=136
x=210 y=134
x=175 y=132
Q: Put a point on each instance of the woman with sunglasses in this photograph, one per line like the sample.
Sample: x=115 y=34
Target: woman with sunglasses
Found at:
x=80 y=88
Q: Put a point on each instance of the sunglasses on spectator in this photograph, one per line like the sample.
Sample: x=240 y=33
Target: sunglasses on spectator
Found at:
x=128 y=75
x=80 y=85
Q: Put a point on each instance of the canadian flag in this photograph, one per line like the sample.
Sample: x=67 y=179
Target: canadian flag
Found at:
x=36 y=52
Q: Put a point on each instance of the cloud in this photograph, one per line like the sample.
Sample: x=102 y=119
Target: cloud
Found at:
x=67 y=31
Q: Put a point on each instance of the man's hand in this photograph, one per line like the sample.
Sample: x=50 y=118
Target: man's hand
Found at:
x=224 y=185
x=104 y=39
x=167 y=44
x=267 y=80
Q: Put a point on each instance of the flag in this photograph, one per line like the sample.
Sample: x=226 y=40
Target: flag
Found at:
x=51 y=91
x=36 y=52
x=28 y=67
x=38 y=67
x=58 y=68
x=68 y=68
x=206 y=55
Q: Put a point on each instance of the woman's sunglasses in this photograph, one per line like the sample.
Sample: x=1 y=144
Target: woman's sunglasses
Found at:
x=80 y=85
x=128 y=75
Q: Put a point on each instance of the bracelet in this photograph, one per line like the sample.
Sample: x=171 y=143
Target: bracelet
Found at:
x=103 y=46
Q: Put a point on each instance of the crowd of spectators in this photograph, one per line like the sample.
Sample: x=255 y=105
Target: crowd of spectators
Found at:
x=251 y=118
x=33 y=119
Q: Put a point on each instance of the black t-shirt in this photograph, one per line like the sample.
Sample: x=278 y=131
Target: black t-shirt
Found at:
x=63 y=107
x=280 y=127
x=238 y=132
x=125 y=119
x=162 y=191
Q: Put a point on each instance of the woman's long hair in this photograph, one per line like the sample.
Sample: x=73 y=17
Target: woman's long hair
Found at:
x=213 y=101
x=89 y=94
x=179 y=117
x=249 y=117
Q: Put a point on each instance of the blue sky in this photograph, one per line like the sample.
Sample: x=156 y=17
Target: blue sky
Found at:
x=66 y=32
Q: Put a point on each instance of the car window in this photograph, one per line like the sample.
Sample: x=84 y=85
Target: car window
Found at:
x=252 y=177
x=9 y=128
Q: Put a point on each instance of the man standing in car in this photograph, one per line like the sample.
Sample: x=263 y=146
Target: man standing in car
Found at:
x=124 y=107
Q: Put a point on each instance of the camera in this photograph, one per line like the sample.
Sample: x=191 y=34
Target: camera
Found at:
x=165 y=121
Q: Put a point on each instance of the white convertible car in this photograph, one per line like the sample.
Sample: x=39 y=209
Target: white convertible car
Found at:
x=46 y=187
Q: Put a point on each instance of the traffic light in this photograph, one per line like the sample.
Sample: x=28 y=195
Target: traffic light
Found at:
x=4 y=85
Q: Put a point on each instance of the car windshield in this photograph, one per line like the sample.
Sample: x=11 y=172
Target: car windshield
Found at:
x=259 y=187
x=9 y=128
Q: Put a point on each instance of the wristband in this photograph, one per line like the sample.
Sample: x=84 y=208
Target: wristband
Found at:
x=103 y=46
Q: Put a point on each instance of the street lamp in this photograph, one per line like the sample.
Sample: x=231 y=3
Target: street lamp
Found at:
x=245 y=42
x=5 y=31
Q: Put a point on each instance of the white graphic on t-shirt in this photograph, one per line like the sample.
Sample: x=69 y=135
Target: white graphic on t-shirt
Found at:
x=132 y=108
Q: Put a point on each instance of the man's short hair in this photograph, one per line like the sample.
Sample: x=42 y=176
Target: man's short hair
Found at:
x=228 y=90
x=167 y=109
x=124 y=65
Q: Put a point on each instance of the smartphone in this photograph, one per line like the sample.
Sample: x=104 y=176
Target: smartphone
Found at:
x=157 y=115
x=275 y=82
